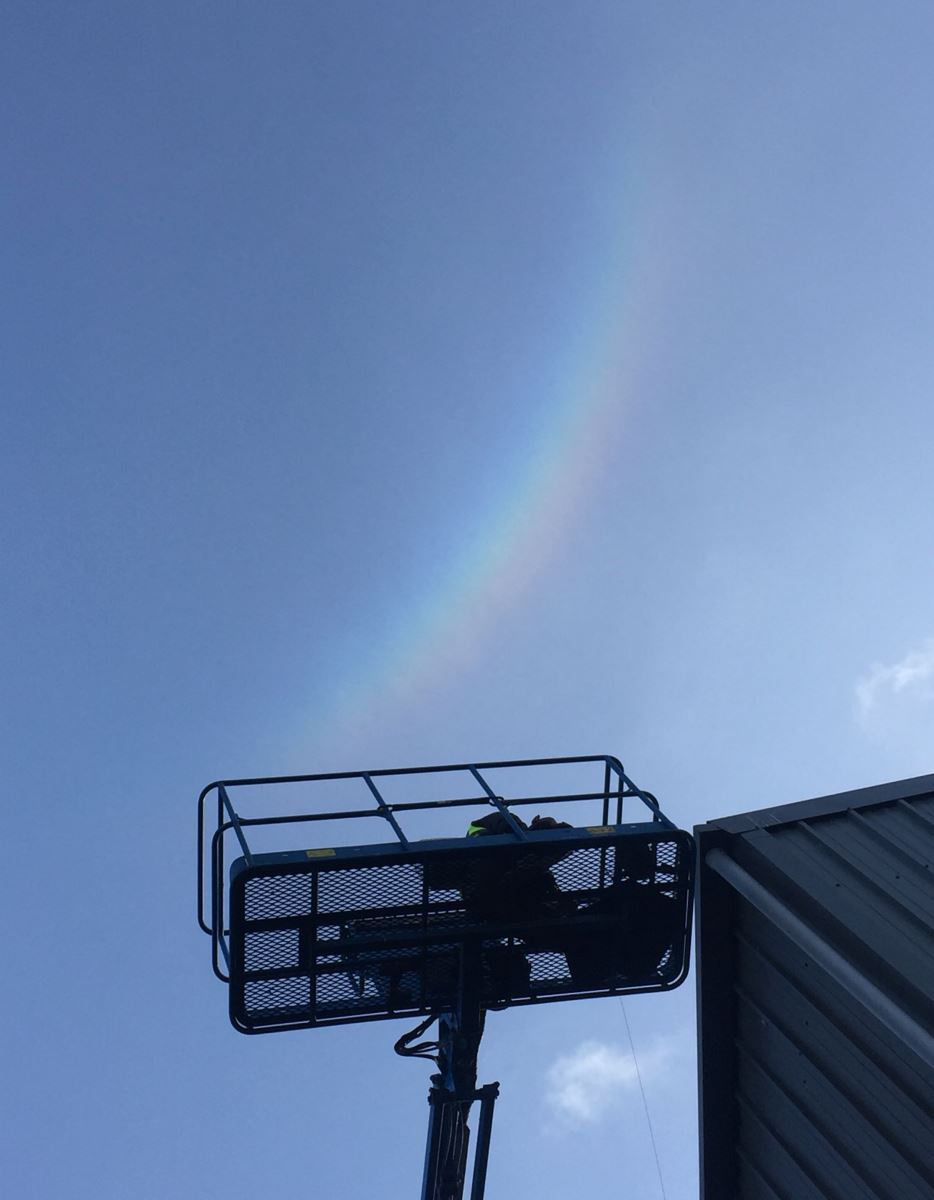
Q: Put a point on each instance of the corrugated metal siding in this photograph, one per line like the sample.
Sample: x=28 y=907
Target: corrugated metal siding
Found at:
x=804 y=1092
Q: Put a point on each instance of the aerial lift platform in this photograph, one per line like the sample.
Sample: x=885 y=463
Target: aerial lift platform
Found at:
x=381 y=926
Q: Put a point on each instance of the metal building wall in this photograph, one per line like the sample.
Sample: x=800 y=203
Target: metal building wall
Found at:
x=815 y=975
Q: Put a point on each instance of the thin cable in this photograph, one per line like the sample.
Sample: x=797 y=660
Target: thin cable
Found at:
x=645 y=1103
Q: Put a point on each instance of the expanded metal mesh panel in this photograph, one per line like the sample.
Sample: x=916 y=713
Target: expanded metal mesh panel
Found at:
x=265 y=948
x=371 y=887
x=273 y=997
x=278 y=896
x=328 y=941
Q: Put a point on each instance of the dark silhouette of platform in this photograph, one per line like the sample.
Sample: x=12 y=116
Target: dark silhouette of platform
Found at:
x=331 y=935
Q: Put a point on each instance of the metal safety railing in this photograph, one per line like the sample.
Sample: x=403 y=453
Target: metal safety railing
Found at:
x=219 y=820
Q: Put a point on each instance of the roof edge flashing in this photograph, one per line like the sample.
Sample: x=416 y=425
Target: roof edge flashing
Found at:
x=819 y=806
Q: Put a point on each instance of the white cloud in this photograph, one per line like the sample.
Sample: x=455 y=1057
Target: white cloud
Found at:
x=911 y=679
x=582 y=1086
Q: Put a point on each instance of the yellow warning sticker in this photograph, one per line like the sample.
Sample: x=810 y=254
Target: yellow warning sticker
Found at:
x=599 y=828
x=320 y=853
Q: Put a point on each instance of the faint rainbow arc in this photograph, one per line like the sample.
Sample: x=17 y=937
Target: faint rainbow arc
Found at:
x=528 y=528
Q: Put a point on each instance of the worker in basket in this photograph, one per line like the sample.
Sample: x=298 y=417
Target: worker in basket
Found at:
x=631 y=942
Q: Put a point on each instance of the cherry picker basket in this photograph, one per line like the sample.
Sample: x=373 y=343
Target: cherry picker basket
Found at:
x=372 y=930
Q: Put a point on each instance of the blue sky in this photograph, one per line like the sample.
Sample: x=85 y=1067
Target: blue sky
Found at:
x=403 y=383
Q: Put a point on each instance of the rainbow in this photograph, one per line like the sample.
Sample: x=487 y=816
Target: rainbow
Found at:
x=524 y=530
